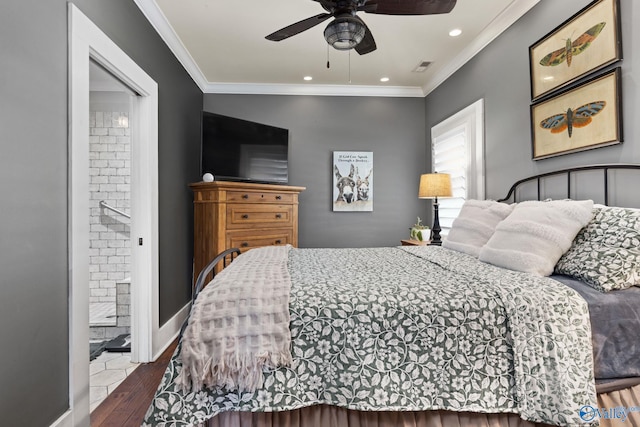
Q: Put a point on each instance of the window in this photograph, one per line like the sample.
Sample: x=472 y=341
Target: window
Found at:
x=457 y=145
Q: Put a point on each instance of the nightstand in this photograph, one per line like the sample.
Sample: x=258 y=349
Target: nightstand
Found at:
x=411 y=242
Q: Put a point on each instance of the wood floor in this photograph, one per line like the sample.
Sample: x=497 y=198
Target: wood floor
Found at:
x=128 y=403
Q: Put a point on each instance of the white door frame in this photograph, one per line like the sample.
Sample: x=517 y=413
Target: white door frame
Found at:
x=87 y=42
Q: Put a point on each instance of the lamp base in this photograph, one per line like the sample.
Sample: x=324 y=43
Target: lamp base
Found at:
x=435 y=231
x=435 y=238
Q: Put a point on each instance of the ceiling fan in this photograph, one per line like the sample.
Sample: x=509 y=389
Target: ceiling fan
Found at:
x=348 y=31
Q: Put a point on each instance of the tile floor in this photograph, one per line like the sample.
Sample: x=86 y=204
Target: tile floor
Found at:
x=106 y=372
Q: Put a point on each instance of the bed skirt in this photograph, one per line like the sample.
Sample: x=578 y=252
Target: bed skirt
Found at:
x=332 y=416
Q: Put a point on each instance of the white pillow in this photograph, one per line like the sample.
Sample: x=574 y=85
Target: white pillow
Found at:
x=475 y=225
x=536 y=234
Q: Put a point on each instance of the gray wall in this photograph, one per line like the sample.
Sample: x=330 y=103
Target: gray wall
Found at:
x=500 y=75
x=392 y=128
x=33 y=212
x=33 y=191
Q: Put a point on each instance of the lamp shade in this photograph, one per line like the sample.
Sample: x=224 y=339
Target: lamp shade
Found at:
x=434 y=185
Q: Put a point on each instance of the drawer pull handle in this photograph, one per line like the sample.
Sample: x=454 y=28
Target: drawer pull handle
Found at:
x=278 y=242
x=244 y=244
x=245 y=196
x=278 y=197
x=245 y=216
x=278 y=216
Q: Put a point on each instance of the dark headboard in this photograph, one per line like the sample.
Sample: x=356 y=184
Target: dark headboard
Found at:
x=571 y=176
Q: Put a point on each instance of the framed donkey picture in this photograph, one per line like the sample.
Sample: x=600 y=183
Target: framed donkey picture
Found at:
x=352 y=181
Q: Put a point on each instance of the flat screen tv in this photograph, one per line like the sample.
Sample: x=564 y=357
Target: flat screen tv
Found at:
x=240 y=150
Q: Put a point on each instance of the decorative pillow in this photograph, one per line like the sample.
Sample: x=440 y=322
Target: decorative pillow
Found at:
x=536 y=234
x=475 y=225
x=606 y=253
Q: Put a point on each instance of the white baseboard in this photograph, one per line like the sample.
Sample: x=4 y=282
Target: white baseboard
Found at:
x=169 y=331
x=65 y=420
x=165 y=336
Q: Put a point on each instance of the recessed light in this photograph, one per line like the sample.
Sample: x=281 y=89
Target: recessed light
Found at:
x=455 y=32
x=308 y=78
x=384 y=79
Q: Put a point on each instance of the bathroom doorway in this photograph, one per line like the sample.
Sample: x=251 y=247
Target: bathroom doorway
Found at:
x=88 y=43
x=110 y=143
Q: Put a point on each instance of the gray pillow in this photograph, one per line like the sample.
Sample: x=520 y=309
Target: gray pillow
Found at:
x=606 y=253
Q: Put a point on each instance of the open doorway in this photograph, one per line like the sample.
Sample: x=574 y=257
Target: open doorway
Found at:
x=110 y=143
x=88 y=43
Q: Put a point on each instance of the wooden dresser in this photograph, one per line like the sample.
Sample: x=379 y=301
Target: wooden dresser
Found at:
x=241 y=215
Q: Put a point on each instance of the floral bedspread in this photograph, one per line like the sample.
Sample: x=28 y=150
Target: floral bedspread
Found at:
x=415 y=328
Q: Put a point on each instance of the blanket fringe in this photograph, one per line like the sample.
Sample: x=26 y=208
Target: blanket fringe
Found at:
x=244 y=373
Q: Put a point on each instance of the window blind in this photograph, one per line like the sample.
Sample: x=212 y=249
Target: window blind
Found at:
x=457 y=145
x=450 y=156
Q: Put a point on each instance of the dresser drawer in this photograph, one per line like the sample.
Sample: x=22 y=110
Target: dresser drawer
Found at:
x=245 y=240
x=259 y=197
x=253 y=216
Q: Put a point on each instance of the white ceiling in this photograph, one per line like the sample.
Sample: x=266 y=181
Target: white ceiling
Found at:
x=223 y=47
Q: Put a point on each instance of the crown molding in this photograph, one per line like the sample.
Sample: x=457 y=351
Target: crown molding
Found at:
x=160 y=23
x=496 y=27
x=316 y=90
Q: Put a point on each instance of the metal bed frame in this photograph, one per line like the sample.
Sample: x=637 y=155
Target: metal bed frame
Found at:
x=605 y=168
x=226 y=257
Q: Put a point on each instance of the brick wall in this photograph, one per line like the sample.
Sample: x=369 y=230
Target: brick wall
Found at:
x=110 y=173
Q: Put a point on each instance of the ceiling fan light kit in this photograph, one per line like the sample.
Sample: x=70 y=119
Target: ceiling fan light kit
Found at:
x=344 y=33
x=347 y=31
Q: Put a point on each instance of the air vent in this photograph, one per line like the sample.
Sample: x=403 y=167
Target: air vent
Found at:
x=422 y=66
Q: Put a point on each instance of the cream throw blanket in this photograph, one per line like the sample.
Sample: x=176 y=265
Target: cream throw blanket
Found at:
x=239 y=324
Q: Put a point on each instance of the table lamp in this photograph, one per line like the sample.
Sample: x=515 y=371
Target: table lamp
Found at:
x=432 y=186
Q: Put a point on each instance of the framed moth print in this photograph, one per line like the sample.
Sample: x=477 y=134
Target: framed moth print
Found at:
x=586 y=42
x=352 y=181
x=588 y=116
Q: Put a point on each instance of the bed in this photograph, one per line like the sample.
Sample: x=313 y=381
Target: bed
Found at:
x=427 y=335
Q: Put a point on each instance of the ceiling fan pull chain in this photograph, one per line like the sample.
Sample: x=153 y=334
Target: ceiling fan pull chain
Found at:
x=328 y=65
x=349 y=66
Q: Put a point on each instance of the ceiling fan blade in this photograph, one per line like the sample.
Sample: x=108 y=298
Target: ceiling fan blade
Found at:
x=368 y=44
x=298 y=27
x=370 y=7
x=414 y=7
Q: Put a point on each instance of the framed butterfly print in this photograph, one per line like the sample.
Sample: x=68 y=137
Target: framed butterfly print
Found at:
x=585 y=117
x=588 y=41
